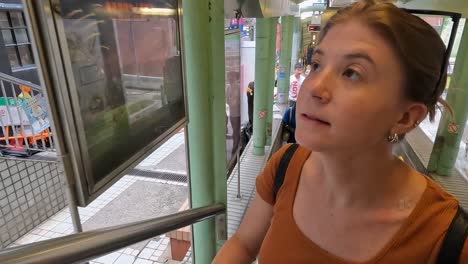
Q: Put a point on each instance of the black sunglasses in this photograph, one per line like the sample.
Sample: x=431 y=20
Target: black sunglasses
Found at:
x=455 y=19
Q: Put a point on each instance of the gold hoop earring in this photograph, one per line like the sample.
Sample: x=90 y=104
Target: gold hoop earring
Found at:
x=393 y=138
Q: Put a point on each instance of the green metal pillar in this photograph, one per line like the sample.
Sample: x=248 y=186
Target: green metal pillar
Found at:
x=447 y=143
x=271 y=80
x=264 y=53
x=219 y=160
x=297 y=43
x=204 y=70
x=285 y=59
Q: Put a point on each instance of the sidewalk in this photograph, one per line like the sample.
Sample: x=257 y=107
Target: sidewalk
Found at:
x=158 y=187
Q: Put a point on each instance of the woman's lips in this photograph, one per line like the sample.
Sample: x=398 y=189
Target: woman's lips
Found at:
x=315 y=119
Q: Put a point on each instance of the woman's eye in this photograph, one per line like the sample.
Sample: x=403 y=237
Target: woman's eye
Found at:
x=315 y=67
x=352 y=75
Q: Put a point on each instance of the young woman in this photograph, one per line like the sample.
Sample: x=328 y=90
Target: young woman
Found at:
x=376 y=73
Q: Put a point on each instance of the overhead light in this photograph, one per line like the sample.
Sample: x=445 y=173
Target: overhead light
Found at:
x=151 y=11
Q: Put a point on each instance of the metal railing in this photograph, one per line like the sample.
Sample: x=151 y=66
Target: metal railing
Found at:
x=25 y=126
x=92 y=244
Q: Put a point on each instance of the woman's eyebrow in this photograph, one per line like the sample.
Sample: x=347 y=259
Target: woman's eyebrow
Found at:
x=353 y=55
x=360 y=55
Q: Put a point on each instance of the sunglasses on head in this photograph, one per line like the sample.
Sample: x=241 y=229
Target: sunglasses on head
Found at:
x=455 y=19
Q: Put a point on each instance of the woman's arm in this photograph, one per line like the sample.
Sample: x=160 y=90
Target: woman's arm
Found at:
x=244 y=245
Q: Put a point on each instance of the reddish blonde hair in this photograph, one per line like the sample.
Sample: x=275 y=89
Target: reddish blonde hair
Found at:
x=418 y=46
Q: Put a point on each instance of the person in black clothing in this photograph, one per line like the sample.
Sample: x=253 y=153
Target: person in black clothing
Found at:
x=250 y=101
x=289 y=125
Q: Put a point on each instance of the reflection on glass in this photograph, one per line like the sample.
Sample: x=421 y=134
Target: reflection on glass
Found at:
x=21 y=36
x=17 y=19
x=435 y=21
x=7 y=38
x=12 y=57
x=127 y=72
x=233 y=92
x=4 y=20
x=25 y=55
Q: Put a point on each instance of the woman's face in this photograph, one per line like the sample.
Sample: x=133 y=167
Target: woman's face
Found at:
x=354 y=88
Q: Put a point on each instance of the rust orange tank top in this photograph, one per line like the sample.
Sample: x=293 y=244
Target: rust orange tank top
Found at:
x=417 y=241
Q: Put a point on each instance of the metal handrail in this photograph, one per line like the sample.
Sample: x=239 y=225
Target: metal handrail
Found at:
x=89 y=245
x=15 y=80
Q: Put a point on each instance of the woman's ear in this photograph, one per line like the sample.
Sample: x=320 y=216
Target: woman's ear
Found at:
x=415 y=113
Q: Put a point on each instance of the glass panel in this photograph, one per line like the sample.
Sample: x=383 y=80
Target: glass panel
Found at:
x=462 y=161
x=7 y=37
x=21 y=36
x=25 y=55
x=17 y=19
x=13 y=57
x=128 y=63
x=435 y=21
x=443 y=25
x=233 y=91
x=123 y=109
x=4 y=20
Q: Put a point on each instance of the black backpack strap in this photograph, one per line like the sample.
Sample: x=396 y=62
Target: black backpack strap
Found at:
x=282 y=167
x=454 y=240
x=290 y=114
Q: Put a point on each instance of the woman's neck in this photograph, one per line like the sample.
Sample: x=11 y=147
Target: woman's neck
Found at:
x=358 y=179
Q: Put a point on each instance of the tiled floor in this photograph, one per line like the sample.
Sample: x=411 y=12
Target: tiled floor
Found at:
x=157 y=250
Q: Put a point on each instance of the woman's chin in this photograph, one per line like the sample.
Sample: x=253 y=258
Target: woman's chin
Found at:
x=313 y=143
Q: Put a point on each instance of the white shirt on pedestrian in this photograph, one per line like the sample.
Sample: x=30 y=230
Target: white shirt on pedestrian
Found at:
x=294 y=86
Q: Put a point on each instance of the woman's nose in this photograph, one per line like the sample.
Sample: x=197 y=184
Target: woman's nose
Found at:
x=317 y=85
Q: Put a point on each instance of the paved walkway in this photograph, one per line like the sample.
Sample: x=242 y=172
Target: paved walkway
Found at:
x=123 y=203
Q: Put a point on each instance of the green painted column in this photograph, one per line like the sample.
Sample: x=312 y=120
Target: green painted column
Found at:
x=219 y=160
x=204 y=70
x=218 y=97
x=285 y=59
x=297 y=42
x=447 y=144
x=264 y=53
x=271 y=80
